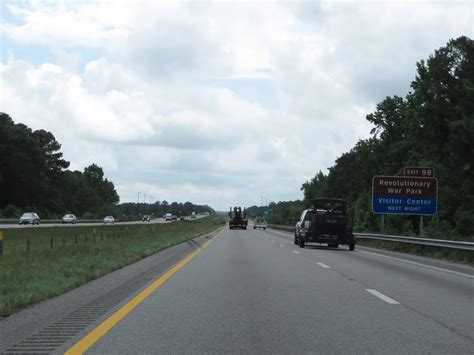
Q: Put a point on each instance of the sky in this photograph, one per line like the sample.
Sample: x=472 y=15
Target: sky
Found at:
x=221 y=103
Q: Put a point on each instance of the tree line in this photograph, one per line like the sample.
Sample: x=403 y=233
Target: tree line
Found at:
x=34 y=177
x=433 y=126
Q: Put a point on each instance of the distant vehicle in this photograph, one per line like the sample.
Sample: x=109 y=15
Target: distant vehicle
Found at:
x=69 y=218
x=237 y=218
x=174 y=217
x=193 y=215
x=146 y=218
x=168 y=217
x=260 y=223
x=326 y=222
x=182 y=218
x=29 y=218
x=109 y=220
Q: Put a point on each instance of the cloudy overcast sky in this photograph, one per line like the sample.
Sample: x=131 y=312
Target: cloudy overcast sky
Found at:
x=217 y=103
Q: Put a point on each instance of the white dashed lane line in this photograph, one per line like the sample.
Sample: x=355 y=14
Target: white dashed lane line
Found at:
x=324 y=265
x=296 y=252
x=281 y=245
x=381 y=296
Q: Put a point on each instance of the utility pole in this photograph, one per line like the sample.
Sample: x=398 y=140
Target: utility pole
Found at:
x=261 y=202
x=266 y=201
x=144 y=199
x=138 y=204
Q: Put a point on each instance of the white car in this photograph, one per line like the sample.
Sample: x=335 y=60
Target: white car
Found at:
x=168 y=217
x=29 y=218
x=69 y=218
x=260 y=223
x=109 y=220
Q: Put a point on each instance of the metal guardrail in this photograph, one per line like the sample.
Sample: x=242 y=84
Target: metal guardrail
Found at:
x=452 y=244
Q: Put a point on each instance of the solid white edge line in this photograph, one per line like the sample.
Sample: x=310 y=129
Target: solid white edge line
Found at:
x=382 y=296
x=324 y=265
x=419 y=264
x=296 y=252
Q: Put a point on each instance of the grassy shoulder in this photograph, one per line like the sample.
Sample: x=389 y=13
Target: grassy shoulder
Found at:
x=40 y=263
x=453 y=255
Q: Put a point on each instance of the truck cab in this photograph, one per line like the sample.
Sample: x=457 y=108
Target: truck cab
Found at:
x=325 y=223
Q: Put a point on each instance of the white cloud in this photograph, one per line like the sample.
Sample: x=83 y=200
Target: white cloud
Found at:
x=157 y=101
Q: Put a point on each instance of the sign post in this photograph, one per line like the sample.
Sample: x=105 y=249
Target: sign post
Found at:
x=421 y=226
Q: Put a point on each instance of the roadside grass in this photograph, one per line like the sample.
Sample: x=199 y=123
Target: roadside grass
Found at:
x=78 y=255
x=458 y=256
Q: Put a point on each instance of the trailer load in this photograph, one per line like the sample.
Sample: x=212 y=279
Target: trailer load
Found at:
x=237 y=218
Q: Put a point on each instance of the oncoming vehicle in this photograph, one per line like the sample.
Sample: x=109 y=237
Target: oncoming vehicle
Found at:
x=174 y=217
x=69 y=218
x=260 y=223
x=29 y=218
x=193 y=215
x=146 y=218
x=168 y=217
x=325 y=223
x=109 y=220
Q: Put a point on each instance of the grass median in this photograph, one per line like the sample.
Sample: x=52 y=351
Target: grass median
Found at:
x=40 y=263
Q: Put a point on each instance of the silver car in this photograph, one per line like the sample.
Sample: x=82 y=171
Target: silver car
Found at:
x=29 y=218
x=109 y=220
x=69 y=218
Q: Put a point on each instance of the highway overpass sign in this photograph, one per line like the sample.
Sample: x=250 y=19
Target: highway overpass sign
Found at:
x=404 y=195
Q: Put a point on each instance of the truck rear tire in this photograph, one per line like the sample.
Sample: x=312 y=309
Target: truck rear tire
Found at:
x=352 y=246
x=301 y=242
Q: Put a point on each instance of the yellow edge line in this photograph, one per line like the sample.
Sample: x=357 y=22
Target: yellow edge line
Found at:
x=90 y=339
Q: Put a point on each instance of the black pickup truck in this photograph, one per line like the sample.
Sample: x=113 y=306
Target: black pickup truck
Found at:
x=325 y=223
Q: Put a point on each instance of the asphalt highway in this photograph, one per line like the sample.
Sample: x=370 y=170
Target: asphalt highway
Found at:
x=256 y=292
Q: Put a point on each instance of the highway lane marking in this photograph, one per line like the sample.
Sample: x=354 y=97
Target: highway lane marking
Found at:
x=382 y=296
x=96 y=334
x=324 y=265
x=286 y=234
x=281 y=245
x=296 y=252
x=273 y=241
x=419 y=264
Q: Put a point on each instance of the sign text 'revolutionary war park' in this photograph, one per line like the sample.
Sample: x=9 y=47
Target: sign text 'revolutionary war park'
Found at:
x=404 y=195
